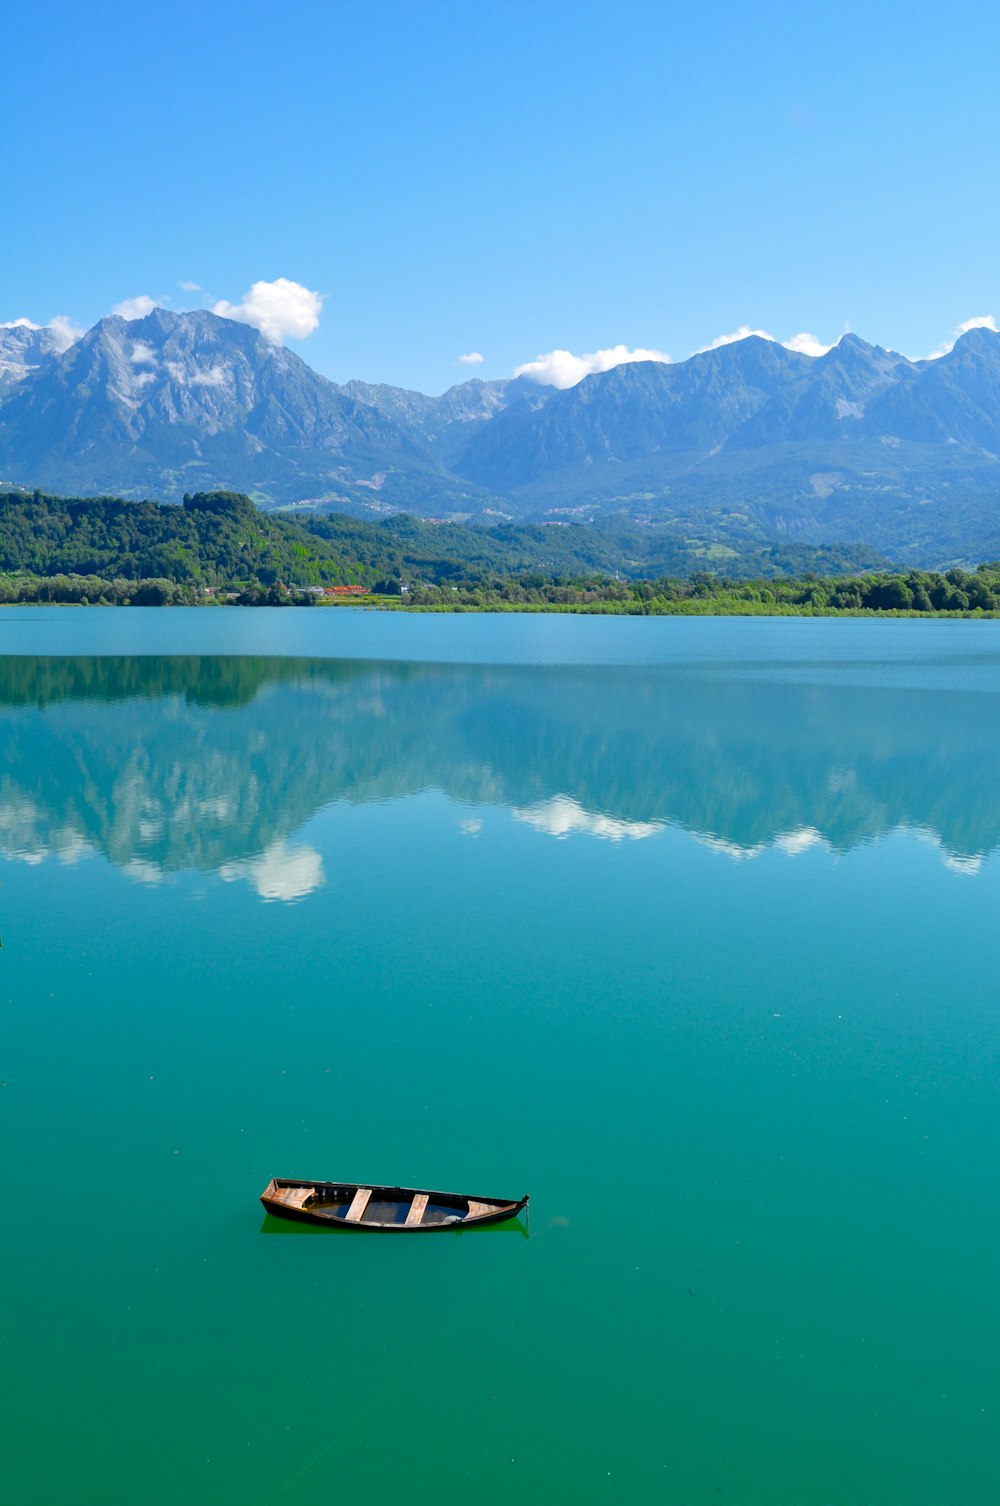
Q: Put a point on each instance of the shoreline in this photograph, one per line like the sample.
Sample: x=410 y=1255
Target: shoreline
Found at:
x=548 y=609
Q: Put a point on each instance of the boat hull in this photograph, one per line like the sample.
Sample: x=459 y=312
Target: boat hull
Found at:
x=383 y=1210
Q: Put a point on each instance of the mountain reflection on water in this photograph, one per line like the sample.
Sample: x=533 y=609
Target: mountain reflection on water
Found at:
x=212 y=764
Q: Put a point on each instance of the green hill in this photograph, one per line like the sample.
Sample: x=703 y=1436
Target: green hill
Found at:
x=218 y=545
x=214 y=539
x=220 y=539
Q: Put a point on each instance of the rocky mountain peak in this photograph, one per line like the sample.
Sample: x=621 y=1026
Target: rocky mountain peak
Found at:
x=25 y=350
x=980 y=341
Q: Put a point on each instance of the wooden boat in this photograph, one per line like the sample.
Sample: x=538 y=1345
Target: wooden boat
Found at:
x=396 y=1210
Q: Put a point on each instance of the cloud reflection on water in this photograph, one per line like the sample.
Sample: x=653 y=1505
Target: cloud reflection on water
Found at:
x=562 y=817
x=279 y=872
x=214 y=764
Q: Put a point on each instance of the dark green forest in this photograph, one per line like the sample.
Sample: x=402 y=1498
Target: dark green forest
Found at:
x=222 y=539
x=218 y=548
x=214 y=539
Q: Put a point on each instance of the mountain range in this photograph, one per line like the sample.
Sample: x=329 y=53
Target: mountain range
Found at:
x=858 y=446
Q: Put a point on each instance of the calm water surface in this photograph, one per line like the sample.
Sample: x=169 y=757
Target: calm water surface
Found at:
x=687 y=928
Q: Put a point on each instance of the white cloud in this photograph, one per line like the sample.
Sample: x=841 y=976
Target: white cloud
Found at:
x=800 y=839
x=23 y=834
x=792 y=843
x=215 y=376
x=143 y=354
x=807 y=345
x=560 y=368
x=964 y=864
x=190 y=287
x=562 y=816
x=964 y=867
x=732 y=850
x=474 y=358
x=71 y=847
x=281 y=309
x=279 y=872
x=64 y=332
x=184 y=376
x=803 y=344
x=743 y=333
x=135 y=308
x=981 y=321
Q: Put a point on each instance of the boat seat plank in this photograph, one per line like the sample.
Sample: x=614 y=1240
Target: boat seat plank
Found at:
x=476 y=1210
x=356 y=1211
x=417 y=1209
x=293 y=1197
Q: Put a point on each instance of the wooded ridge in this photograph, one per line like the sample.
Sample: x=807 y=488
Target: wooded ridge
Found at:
x=218 y=547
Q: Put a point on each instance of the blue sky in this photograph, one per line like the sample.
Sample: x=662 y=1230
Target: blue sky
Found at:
x=508 y=179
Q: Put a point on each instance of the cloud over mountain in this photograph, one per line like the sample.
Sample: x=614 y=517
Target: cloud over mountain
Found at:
x=560 y=368
x=980 y=321
x=807 y=345
x=135 y=308
x=61 y=331
x=803 y=343
x=281 y=309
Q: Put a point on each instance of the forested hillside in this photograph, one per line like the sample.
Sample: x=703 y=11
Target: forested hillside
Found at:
x=215 y=538
x=222 y=539
x=219 y=546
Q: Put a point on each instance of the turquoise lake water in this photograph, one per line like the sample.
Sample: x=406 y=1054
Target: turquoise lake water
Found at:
x=689 y=928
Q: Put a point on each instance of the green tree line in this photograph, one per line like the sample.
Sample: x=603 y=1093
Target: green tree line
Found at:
x=912 y=592
x=218 y=548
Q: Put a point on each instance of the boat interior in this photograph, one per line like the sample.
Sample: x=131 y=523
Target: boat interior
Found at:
x=383 y=1206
